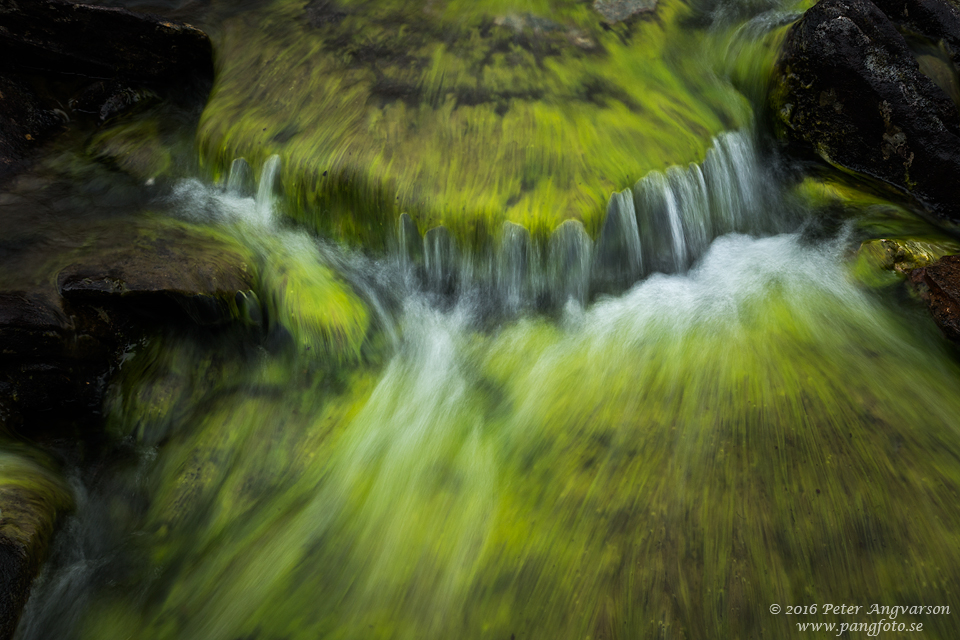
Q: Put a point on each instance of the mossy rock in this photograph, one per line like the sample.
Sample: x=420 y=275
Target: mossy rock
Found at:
x=32 y=495
x=465 y=114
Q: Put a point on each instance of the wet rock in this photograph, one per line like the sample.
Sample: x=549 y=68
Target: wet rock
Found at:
x=620 y=10
x=200 y=275
x=63 y=334
x=53 y=358
x=939 y=286
x=102 y=42
x=30 y=326
x=24 y=123
x=848 y=87
x=60 y=60
x=903 y=256
x=938 y=20
x=31 y=498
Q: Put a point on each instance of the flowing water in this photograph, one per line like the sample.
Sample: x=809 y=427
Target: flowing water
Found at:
x=657 y=432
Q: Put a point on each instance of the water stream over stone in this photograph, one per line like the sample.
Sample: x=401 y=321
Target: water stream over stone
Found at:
x=654 y=431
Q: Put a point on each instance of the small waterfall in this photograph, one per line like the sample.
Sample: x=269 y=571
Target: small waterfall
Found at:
x=240 y=181
x=411 y=244
x=514 y=261
x=270 y=188
x=664 y=224
x=569 y=257
x=619 y=256
x=440 y=260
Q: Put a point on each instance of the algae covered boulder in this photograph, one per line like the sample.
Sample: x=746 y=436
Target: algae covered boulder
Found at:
x=466 y=114
x=31 y=497
x=849 y=88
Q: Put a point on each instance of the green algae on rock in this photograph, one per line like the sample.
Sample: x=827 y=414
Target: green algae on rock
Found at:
x=32 y=497
x=465 y=114
x=755 y=431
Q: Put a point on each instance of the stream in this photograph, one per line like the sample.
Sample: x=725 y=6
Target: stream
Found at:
x=657 y=427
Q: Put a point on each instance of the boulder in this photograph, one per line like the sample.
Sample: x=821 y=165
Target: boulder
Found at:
x=63 y=333
x=461 y=114
x=849 y=88
x=201 y=275
x=32 y=496
x=60 y=61
x=102 y=42
x=24 y=123
x=939 y=286
x=937 y=20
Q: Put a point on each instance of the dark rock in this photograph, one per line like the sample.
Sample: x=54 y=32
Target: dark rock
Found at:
x=16 y=574
x=24 y=123
x=849 y=88
x=101 y=42
x=200 y=275
x=101 y=62
x=54 y=358
x=939 y=286
x=59 y=343
x=938 y=20
x=30 y=326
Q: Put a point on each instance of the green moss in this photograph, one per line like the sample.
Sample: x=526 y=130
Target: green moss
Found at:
x=32 y=495
x=310 y=301
x=461 y=113
x=667 y=464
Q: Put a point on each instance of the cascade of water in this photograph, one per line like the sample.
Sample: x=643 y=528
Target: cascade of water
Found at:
x=664 y=224
x=440 y=260
x=619 y=257
x=269 y=189
x=569 y=256
x=240 y=180
x=514 y=258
